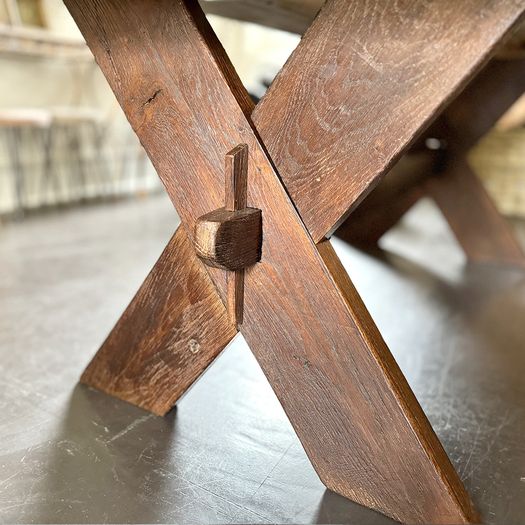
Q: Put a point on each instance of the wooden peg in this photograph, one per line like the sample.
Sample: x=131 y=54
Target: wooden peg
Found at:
x=230 y=237
x=230 y=240
x=236 y=196
x=236 y=180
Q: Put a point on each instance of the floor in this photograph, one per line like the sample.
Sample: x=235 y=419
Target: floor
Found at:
x=69 y=454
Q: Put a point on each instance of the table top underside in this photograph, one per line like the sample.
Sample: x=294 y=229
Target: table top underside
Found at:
x=289 y=15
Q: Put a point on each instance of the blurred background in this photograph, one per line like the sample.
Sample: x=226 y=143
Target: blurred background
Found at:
x=63 y=138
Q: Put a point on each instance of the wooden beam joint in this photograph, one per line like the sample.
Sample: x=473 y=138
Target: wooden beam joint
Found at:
x=230 y=238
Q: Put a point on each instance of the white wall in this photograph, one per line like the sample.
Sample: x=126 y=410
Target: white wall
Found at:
x=254 y=50
x=46 y=82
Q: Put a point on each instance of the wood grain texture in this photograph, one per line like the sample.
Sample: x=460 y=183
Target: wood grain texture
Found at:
x=229 y=240
x=236 y=198
x=235 y=296
x=464 y=122
x=345 y=107
x=352 y=409
x=173 y=329
x=480 y=229
x=236 y=178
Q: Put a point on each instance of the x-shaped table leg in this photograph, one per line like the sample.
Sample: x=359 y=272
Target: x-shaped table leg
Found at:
x=482 y=232
x=356 y=416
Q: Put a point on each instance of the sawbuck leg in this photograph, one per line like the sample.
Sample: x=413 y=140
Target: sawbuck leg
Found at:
x=110 y=370
x=480 y=229
x=317 y=343
x=173 y=329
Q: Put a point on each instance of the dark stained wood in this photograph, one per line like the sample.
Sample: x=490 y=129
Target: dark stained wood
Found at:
x=236 y=195
x=235 y=296
x=349 y=404
x=482 y=232
x=229 y=240
x=296 y=16
x=366 y=78
x=173 y=329
x=379 y=212
x=405 y=398
x=465 y=121
x=392 y=198
x=289 y=15
x=236 y=180
x=475 y=111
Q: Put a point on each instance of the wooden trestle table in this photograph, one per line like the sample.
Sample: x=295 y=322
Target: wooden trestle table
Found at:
x=260 y=190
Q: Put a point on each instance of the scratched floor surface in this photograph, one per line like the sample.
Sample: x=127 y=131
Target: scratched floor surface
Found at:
x=228 y=454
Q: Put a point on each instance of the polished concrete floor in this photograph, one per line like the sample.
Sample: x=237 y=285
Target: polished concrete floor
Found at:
x=228 y=454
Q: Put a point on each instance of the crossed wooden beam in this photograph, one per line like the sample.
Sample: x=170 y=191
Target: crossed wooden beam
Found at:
x=363 y=84
x=482 y=232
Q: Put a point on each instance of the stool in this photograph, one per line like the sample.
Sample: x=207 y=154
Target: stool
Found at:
x=67 y=124
x=13 y=121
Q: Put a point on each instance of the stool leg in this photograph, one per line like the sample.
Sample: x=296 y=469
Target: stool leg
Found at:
x=48 y=175
x=60 y=172
x=77 y=167
x=99 y=163
x=14 y=139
